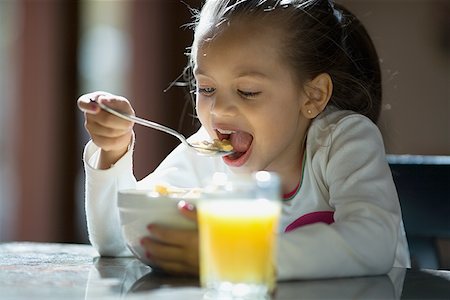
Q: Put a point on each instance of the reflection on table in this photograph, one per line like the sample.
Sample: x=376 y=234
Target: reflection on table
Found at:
x=61 y=271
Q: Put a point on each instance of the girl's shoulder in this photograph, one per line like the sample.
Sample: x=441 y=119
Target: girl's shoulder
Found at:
x=333 y=117
x=340 y=142
x=333 y=120
x=338 y=126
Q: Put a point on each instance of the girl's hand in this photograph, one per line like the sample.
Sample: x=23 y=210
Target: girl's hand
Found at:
x=174 y=250
x=112 y=134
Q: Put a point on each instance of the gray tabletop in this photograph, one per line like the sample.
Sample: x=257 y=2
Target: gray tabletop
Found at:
x=68 y=271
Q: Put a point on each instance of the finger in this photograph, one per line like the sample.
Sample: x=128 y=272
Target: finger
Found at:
x=95 y=128
x=173 y=246
x=118 y=103
x=171 y=236
x=163 y=252
x=106 y=119
x=86 y=105
x=188 y=210
x=170 y=259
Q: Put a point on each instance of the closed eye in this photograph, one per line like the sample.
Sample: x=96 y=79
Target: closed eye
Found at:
x=207 y=91
x=247 y=94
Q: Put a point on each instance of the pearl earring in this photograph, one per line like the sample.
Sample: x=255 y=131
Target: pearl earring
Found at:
x=309 y=112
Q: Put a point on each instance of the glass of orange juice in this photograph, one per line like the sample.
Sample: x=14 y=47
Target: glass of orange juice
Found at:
x=237 y=226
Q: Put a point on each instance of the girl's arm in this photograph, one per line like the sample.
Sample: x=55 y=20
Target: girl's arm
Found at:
x=108 y=166
x=366 y=237
x=100 y=200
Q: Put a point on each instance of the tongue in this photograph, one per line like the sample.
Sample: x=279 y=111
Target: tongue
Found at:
x=241 y=141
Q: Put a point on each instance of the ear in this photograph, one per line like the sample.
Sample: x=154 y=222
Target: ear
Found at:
x=318 y=92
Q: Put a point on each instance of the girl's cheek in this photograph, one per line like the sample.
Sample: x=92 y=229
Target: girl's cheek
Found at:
x=199 y=108
x=202 y=110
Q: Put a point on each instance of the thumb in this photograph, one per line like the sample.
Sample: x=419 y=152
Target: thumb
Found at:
x=87 y=106
x=188 y=210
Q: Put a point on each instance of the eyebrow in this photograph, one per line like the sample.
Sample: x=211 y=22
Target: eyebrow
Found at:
x=249 y=73
x=253 y=73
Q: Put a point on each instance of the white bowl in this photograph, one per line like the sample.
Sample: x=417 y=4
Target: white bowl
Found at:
x=139 y=208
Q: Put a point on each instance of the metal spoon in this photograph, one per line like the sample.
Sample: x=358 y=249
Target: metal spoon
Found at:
x=202 y=147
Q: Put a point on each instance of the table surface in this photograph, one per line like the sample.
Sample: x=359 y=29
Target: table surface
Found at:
x=68 y=271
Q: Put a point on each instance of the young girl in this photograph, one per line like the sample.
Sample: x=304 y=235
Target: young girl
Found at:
x=296 y=87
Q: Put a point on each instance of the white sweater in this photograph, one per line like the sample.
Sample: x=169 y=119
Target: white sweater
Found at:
x=346 y=179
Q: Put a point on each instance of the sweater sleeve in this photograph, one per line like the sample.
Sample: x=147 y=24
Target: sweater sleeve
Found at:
x=100 y=201
x=363 y=238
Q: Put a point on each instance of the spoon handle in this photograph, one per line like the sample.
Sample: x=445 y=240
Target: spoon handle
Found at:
x=143 y=122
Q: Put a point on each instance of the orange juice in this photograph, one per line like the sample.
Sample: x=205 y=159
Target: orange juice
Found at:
x=237 y=241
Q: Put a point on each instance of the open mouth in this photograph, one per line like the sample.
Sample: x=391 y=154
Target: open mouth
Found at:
x=240 y=140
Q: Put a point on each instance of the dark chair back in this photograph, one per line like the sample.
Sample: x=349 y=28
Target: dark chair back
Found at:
x=423 y=186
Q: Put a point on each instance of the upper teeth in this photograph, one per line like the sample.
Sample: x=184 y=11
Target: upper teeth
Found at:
x=223 y=131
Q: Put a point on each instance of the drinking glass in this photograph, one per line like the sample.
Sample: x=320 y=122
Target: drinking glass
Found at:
x=237 y=225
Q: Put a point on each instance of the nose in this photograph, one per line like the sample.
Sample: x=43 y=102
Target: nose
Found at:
x=223 y=107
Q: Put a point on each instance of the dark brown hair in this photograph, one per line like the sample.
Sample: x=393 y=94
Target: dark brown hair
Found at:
x=320 y=37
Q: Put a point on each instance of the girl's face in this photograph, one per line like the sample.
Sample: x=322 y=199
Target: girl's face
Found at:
x=247 y=93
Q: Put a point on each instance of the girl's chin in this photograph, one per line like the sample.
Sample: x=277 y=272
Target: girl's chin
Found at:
x=240 y=161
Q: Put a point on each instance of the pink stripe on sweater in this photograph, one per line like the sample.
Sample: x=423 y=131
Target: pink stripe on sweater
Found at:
x=311 y=218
